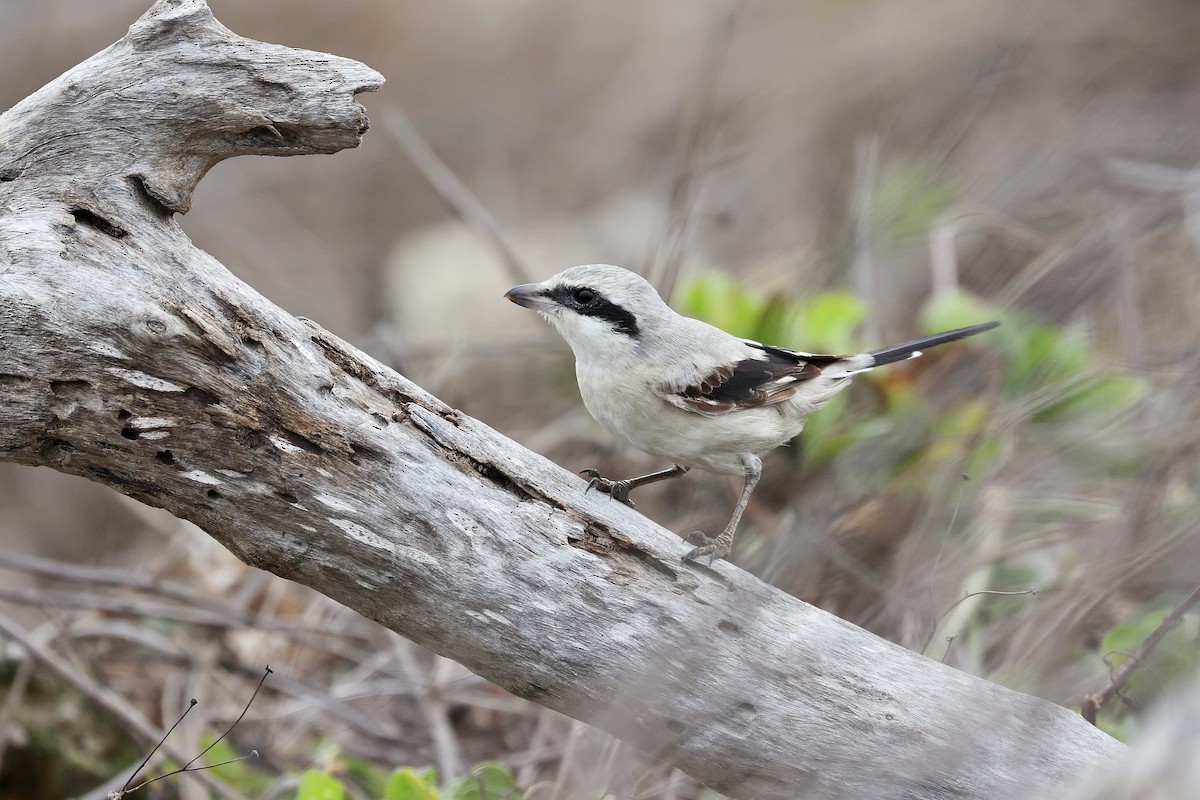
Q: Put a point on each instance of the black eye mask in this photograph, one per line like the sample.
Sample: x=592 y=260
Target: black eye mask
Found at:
x=588 y=302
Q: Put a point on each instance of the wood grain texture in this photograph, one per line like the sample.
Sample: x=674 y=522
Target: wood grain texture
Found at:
x=132 y=358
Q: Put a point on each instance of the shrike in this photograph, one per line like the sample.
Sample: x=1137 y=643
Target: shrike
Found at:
x=682 y=390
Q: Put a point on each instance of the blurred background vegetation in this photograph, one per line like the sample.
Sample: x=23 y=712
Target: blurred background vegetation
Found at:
x=827 y=175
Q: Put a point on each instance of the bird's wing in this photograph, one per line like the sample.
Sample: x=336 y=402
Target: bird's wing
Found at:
x=750 y=382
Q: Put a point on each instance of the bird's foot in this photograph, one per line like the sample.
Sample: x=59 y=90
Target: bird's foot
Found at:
x=716 y=548
x=618 y=490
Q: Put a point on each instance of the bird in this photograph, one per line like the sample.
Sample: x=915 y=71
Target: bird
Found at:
x=686 y=391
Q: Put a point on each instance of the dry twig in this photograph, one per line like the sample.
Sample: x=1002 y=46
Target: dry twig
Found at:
x=128 y=716
x=1095 y=701
x=451 y=189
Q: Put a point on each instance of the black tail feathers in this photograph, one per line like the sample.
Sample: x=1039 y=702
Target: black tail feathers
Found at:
x=900 y=352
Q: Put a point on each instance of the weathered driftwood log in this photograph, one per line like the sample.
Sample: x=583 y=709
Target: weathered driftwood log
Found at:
x=132 y=358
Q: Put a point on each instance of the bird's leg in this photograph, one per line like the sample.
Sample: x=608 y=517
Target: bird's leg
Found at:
x=620 y=489
x=723 y=544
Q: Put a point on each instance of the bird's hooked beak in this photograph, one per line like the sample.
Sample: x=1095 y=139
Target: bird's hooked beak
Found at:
x=530 y=295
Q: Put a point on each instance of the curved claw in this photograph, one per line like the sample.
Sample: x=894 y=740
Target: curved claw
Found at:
x=600 y=485
x=713 y=548
x=618 y=490
x=595 y=481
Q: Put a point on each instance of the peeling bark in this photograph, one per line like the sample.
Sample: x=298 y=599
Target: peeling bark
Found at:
x=132 y=358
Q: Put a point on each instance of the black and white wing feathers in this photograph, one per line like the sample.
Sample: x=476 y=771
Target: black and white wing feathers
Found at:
x=751 y=382
x=760 y=375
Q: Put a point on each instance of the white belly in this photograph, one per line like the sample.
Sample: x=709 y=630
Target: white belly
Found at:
x=711 y=443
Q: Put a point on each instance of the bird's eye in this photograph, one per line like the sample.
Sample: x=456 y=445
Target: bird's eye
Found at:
x=583 y=296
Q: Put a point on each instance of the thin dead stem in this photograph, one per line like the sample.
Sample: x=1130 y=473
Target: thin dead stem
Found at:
x=1092 y=703
x=701 y=136
x=968 y=596
x=120 y=709
x=453 y=191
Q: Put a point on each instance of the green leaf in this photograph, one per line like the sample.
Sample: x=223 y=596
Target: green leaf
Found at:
x=1040 y=346
x=773 y=320
x=909 y=197
x=956 y=309
x=1120 y=729
x=719 y=300
x=1174 y=657
x=963 y=421
x=1040 y=356
x=983 y=456
x=488 y=781
x=704 y=298
x=1104 y=394
x=822 y=438
x=372 y=778
x=747 y=311
x=407 y=784
x=826 y=322
x=317 y=785
x=1065 y=357
x=238 y=774
x=1128 y=635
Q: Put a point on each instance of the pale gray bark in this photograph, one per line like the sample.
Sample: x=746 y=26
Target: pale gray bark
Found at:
x=130 y=357
x=1165 y=761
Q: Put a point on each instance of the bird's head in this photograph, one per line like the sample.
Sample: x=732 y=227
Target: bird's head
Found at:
x=602 y=311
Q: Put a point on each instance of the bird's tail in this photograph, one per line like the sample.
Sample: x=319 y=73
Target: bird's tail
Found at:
x=901 y=352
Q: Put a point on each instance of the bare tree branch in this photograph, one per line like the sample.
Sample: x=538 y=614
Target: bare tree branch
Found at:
x=130 y=357
x=1092 y=703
